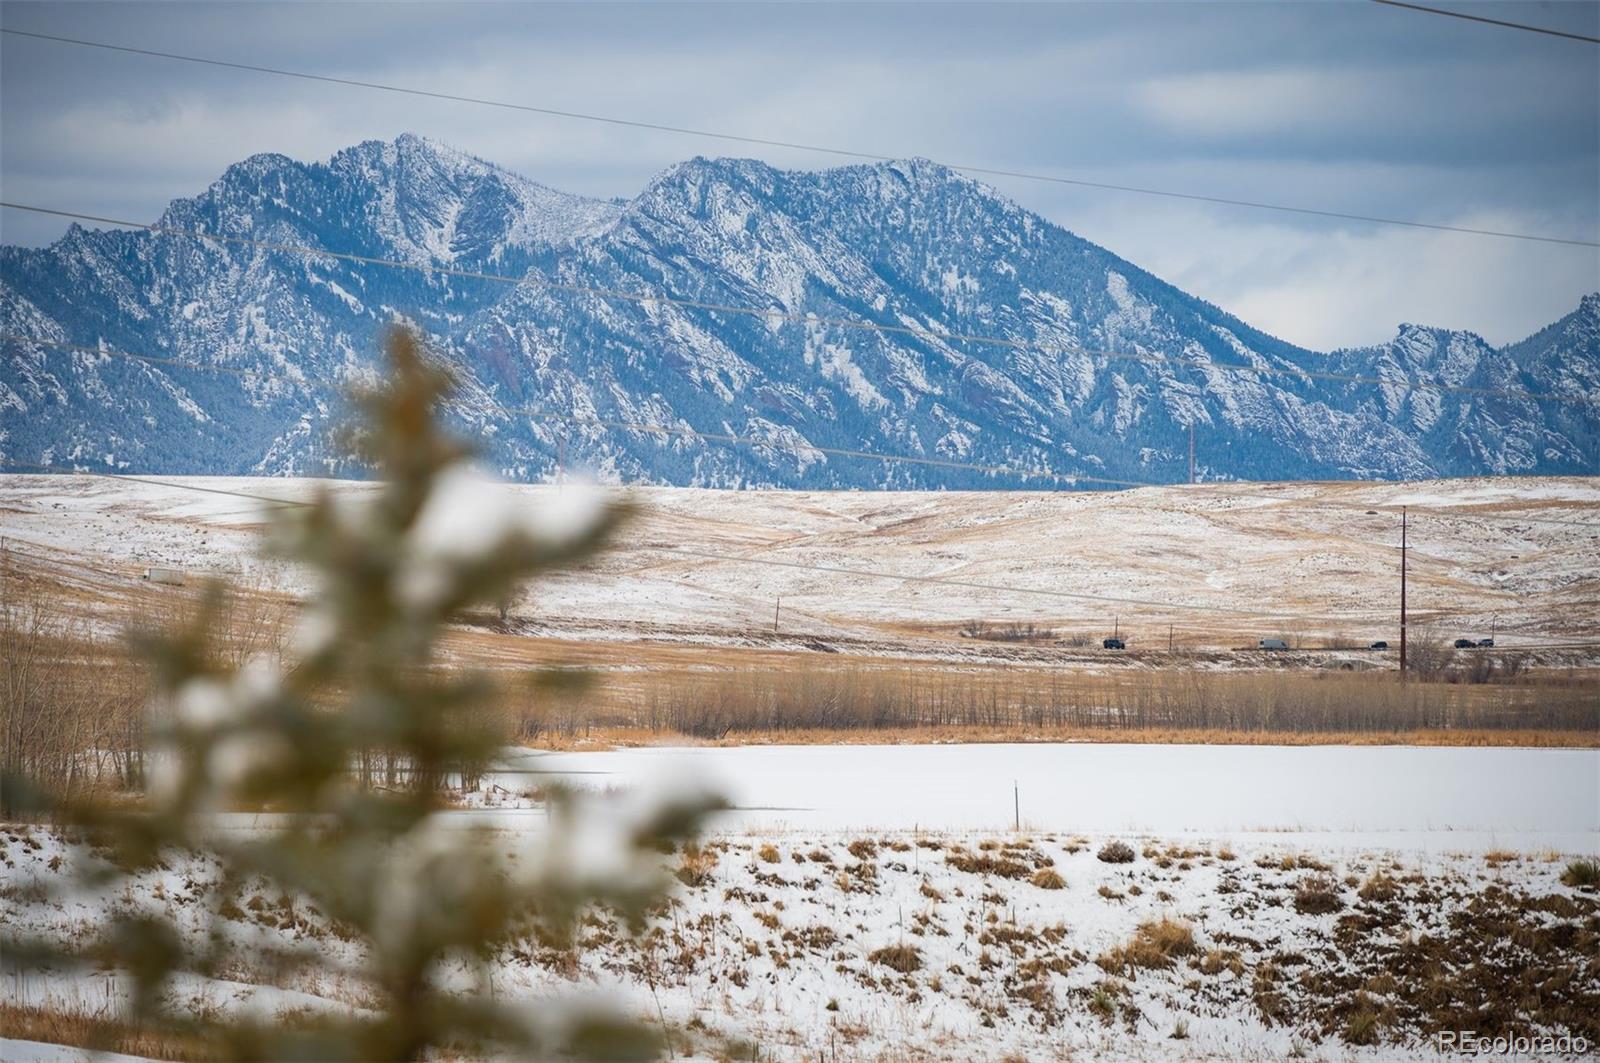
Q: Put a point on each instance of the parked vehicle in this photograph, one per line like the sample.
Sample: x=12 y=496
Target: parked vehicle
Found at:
x=1465 y=644
x=1379 y=645
x=1488 y=643
x=1114 y=644
x=1273 y=644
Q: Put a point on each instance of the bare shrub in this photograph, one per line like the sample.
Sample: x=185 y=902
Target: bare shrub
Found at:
x=71 y=700
x=697 y=865
x=1317 y=895
x=1379 y=887
x=1427 y=649
x=1115 y=852
x=981 y=863
x=1048 y=878
x=902 y=958
x=1013 y=631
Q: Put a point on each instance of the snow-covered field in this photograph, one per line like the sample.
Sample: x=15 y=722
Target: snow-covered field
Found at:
x=913 y=945
x=1321 y=896
x=1403 y=797
x=1313 y=890
x=952 y=902
x=1222 y=565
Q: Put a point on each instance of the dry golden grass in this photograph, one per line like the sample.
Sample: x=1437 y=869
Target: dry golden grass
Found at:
x=901 y=958
x=87 y=695
x=1582 y=874
x=1379 y=887
x=610 y=737
x=1155 y=946
x=697 y=866
x=96 y=1033
x=1218 y=960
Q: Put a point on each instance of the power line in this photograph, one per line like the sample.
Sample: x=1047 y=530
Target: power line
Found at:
x=68 y=564
x=1490 y=21
x=1149 y=603
x=1223 y=490
x=150 y=481
x=792 y=145
x=1163 y=605
x=928 y=335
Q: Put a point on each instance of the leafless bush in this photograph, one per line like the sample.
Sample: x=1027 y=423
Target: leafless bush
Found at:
x=901 y=958
x=1115 y=852
x=1317 y=895
x=1427 y=649
x=70 y=712
x=1014 y=631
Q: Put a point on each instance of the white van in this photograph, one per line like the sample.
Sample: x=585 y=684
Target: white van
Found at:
x=1273 y=644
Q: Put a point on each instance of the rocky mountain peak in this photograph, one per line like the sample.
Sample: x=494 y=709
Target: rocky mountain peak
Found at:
x=997 y=337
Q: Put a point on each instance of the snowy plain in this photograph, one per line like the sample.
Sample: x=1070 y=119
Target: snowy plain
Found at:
x=1429 y=798
x=1225 y=836
x=1213 y=566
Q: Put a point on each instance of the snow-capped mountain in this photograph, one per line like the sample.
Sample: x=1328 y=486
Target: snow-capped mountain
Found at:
x=1000 y=338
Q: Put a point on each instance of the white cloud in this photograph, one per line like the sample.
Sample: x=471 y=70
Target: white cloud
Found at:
x=1324 y=287
x=1327 y=105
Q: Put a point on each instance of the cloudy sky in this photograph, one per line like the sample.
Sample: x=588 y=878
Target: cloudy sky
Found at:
x=1344 y=106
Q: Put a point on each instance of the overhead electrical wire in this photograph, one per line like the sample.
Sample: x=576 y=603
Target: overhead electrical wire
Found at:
x=43 y=557
x=988 y=171
x=1225 y=489
x=1425 y=616
x=925 y=334
x=1547 y=31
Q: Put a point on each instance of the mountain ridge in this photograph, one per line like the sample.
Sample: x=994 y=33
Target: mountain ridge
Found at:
x=908 y=244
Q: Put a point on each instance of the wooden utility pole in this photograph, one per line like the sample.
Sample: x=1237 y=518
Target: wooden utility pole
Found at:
x=1402 y=592
x=777 y=605
x=1169 y=638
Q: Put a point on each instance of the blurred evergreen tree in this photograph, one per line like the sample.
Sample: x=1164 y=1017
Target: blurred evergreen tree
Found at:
x=361 y=695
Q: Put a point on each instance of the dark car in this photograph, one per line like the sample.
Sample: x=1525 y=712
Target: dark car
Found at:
x=1465 y=644
x=1489 y=643
x=1114 y=644
x=1379 y=645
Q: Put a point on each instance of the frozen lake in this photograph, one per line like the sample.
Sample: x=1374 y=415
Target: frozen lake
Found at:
x=1408 y=797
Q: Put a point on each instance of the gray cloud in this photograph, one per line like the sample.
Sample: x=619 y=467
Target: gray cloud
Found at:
x=1355 y=108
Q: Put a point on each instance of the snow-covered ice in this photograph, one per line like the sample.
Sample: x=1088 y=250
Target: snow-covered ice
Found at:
x=1409 y=797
